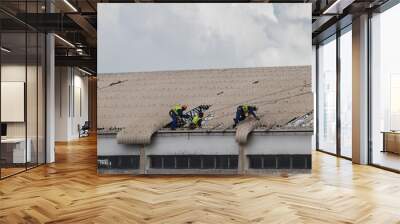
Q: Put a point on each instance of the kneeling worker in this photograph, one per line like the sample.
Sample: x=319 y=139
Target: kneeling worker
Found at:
x=175 y=113
x=196 y=121
x=243 y=111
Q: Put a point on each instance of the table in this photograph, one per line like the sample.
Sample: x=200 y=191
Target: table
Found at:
x=13 y=150
x=391 y=141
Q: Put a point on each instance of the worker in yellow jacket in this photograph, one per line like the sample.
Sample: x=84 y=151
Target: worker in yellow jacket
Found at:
x=196 y=121
x=244 y=111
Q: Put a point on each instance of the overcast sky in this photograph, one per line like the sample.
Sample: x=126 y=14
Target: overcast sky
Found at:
x=153 y=37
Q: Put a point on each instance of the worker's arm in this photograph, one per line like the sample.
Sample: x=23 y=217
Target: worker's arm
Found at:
x=254 y=114
x=180 y=114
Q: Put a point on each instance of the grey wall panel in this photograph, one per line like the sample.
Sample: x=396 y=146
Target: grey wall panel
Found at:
x=209 y=145
x=108 y=146
x=192 y=145
x=284 y=144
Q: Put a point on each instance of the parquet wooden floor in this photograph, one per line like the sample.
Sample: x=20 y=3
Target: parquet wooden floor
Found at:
x=70 y=191
x=10 y=171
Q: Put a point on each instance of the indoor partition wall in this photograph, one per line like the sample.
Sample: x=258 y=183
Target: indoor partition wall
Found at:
x=22 y=99
x=13 y=86
x=385 y=89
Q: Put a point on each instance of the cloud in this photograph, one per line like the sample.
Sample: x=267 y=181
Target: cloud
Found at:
x=150 y=37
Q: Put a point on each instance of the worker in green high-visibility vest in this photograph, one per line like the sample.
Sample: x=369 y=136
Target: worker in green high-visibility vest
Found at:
x=196 y=121
x=243 y=111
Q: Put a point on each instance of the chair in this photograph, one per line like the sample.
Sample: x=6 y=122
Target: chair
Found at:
x=84 y=130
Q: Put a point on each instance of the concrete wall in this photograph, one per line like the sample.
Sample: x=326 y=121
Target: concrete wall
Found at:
x=279 y=144
x=192 y=145
x=50 y=94
x=92 y=108
x=169 y=143
x=314 y=89
x=71 y=102
x=107 y=146
x=360 y=90
x=208 y=144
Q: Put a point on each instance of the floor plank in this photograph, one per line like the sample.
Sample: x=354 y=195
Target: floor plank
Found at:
x=70 y=191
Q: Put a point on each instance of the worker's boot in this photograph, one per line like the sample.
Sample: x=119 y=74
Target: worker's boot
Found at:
x=234 y=125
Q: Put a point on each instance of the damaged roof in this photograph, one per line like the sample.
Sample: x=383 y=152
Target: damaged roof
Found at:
x=137 y=104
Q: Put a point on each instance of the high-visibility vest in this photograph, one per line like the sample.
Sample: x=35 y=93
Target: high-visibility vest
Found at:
x=196 y=119
x=177 y=108
x=245 y=108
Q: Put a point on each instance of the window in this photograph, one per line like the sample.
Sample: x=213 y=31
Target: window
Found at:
x=385 y=89
x=327 y=95
x=346 y=92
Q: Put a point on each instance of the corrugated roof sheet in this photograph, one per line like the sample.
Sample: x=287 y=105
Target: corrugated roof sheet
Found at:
x=139 y=102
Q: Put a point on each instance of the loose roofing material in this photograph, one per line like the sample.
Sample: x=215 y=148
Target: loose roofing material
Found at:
x=139 y=102
x=245 y=128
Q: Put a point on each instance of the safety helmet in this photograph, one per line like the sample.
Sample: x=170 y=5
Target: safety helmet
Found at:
x=184 y=107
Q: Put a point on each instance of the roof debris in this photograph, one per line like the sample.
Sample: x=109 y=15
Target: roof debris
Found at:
x=114 y=83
